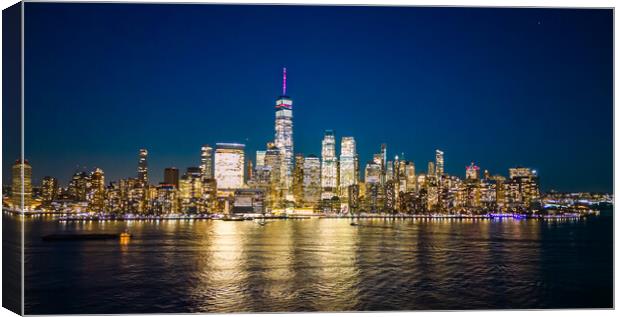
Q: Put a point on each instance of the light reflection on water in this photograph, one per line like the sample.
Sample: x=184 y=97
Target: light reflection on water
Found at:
x=320 y=265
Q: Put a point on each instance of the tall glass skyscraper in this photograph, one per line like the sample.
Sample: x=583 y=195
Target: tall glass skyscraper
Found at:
x=329 y=166
x=284 y=134
x=206 y=161
x=348 y=159
x=143 y=167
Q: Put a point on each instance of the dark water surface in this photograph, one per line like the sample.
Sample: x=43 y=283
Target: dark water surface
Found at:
x=320 y=265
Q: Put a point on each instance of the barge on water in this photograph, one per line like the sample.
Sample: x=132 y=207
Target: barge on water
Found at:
x=84 y=236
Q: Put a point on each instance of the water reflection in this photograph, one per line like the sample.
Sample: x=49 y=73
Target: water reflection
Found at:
x=318 y=265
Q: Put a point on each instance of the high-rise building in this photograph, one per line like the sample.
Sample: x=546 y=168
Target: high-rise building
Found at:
x=430 y=170
x=96 y=191
x=311 y=180
x=21 y=187
x=411 y=177
x=171 y=176
x=298 y=179
x=143 y=167
x=472 y=172
x=250 y=171
x=260 y=158
x=273 y=162
x=439 y=163
x=329 y=166
x=372 y=173
x=229 y=165
x=284 y=134
x=49 y=189
x=348 y=160
x=79 y=186
x=206 y=161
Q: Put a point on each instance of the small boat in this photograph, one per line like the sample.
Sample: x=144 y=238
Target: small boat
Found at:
x=125 y=235
x=354 y=224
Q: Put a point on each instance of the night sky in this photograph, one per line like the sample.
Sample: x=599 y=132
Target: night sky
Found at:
x=501 y=87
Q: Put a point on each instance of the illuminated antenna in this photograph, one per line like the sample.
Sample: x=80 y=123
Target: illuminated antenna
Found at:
x=284 y=81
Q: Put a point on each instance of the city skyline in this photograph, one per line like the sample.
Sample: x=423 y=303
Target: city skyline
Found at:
x=570 y=155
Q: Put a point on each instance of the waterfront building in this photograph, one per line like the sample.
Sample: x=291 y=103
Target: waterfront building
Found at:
x=171 y=176
x=522 y=188
x=348 y=168
x=133 y=193
x=329 y=166
x=49 y=189
x=143 y=169
x=311 y=181
x=353 y=197
x=190 y=191
x=298 y=179
x=96 y=190
x=273 y=161
x=21 y=185
x=371 y=196
x=229 y=165
x=390 y=196
x=166 y=200
x=248 y=201
x=284 y=134
x=79 y=186
x=439 y=163
x=209 y=195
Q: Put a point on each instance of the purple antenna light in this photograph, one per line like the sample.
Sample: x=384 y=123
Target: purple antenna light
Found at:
x=284 y=81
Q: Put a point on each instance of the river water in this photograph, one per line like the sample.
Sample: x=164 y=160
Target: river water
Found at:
x=318 y=265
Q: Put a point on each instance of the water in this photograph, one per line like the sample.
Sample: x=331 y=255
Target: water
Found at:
x=320 y=265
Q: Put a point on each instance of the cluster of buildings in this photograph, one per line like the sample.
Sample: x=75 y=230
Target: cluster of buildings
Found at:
x=279 y=179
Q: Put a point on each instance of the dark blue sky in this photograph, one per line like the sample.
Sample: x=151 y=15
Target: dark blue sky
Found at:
x=502 y=87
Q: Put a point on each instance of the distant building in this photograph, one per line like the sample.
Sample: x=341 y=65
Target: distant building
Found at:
x=472 y=171
x=311 y=181
x=143 y=169
x=439 y=163
x=49 y=189
x=329 y=166
x=206 y=161
x=171 y=176
x=21 y=188
x=284 y=135
x=229 y=165
x=298 y=179
x=348 y=165
x=249 y=201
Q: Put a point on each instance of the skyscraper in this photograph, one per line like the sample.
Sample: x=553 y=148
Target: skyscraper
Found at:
x=439 y=163
x=311 y=180
x=260 y=158
x=143 y=167
x=348 y=168
x=206 y=161
x=298 y=179
x=229 y=165
x=472 y=171
x=284 y=134
x=171 y=176
x=21 y=191
x=329 y=166
x=49 y=189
